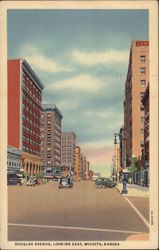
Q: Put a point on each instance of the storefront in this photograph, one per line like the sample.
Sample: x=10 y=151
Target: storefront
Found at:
x=13 y=162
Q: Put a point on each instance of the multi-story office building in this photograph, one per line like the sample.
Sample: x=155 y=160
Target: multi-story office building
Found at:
x=68 y=145
x=83 y=166
x=24 y=113
x=78 y=162
x=136 y=82
x=87 y=170
x=51 y=136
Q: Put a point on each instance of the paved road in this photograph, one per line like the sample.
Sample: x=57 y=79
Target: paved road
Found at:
x=82 y=213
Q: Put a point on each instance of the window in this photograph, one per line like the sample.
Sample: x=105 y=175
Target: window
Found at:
x=142 y=94
x=142 y=107
x=142 y=119
x=142 y=131
x=143 y=70
x=142 y=144
x=143 y=58
x=143 y=83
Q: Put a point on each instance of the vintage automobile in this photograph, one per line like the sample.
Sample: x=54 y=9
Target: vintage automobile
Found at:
x=104 y=183
x=31 y=183
x=65 y=182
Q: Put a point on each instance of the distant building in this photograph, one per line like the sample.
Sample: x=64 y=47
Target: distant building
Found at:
x=87 y=170
x=68 y=145
x=51 y=136
x=24 y=114
x=83 y=166
x=78 y=162
x=91 y=174
x=136 y=82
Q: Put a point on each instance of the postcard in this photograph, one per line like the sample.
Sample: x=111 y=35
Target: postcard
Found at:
x=79 y=125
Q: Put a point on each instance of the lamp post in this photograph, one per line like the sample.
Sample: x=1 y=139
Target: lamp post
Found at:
x=124 y=191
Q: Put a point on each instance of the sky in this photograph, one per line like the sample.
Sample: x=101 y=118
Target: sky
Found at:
x=81 y=56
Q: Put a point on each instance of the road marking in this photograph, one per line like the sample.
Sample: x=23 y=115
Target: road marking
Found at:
x=74 y=228
x=137 y=211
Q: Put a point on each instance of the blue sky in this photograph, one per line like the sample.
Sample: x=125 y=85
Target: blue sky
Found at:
x=82 y=58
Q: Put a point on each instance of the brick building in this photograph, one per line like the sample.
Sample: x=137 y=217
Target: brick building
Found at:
x=136 y=82
x=78 y=162
x=145 y=152
x=24 y=113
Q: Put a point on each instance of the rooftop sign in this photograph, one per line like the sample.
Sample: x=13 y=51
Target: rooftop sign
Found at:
x=142 y=43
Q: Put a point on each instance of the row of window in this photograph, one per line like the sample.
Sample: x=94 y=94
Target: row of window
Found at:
x=30 y=83
x=29 y=140
x=16 y=164
x=31 y=132
x=30 y=150
x=29 y=111
x=30 y=122
x=31 y=93
x=25 y=97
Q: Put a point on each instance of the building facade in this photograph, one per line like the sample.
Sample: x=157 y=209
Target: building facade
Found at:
x=51 y=136
x=83 y=167
x=24 y=113
x=145 y=152
x=136 y=82
x=78 y=162
x=68 y=145
x=122 y=147
x=87 y=170
x=14 y=162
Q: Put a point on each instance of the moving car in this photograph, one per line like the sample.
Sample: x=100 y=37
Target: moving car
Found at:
x=31 y=183
x=65 y=182
x=104 y=183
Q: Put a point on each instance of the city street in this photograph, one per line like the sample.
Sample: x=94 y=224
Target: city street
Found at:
x=83 y=213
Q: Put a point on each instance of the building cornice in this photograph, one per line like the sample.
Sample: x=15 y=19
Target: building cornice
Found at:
x=32 y=74
x=51 y=107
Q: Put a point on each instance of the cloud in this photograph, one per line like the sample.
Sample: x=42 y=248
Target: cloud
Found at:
x=39 y=61
x=106 y=57
x=84 y=83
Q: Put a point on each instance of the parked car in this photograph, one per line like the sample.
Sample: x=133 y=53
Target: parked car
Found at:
x=96 y=176
x=104 y=183
x=31 y=183
x=14 y=181
x=65 y=182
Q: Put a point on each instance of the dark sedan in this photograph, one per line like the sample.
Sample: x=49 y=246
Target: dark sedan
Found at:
x=65 y=182
x=104 y=183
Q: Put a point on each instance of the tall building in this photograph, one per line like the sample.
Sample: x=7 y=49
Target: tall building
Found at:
x=68 y=145
x=24 y=113
x=78 y=162
x=87 y=170
x=51 y=136
x=83 y=166
x=136 y=82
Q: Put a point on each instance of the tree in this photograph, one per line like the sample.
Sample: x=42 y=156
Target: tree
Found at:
x=133 y=167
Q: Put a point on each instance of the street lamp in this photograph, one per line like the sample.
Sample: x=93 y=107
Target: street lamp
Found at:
x=121 y=136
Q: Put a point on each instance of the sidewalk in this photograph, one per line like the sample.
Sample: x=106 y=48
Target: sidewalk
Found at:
x=134 y=190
